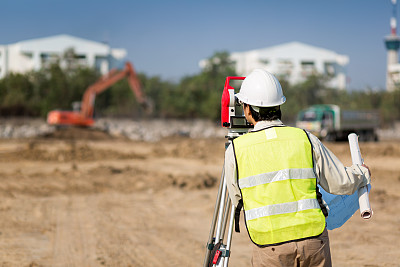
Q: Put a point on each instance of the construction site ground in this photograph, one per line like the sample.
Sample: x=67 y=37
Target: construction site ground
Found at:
x=83 y=198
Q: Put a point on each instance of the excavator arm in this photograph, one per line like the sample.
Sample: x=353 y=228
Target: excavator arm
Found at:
x=85 y=116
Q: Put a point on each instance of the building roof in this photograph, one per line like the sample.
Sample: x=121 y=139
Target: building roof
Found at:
x=62 y=42
x=297 y=50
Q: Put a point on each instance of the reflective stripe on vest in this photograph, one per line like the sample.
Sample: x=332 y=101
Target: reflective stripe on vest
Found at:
x=304 y=204
x=278 y=185
x=280 y=175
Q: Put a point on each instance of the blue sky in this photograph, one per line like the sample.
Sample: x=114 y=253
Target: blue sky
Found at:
x=168 y=38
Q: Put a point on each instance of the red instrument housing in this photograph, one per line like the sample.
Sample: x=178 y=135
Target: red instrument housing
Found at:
x=228 y=101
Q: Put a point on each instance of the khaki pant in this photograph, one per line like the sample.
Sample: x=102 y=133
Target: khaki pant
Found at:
x=313 y=252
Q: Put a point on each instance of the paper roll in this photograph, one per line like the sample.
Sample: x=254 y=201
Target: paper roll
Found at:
x=365 y=208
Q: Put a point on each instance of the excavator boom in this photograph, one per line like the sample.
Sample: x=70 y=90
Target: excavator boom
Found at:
x=84 y=117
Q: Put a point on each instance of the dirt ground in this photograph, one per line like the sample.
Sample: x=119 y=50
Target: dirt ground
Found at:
x=83 y=198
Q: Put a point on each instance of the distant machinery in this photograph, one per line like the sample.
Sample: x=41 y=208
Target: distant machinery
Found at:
x=392 y=43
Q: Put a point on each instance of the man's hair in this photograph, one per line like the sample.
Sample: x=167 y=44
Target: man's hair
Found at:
x=266 y=113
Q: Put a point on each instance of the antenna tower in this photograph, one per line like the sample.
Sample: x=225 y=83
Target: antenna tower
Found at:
x=392 y=43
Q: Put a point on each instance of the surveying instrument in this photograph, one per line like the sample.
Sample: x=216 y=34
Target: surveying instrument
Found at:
x=219 y=244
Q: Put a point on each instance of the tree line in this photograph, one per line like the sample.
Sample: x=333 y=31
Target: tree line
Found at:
x=63 y=82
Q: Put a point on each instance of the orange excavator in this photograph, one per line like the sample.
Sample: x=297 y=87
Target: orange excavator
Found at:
x=84 y=116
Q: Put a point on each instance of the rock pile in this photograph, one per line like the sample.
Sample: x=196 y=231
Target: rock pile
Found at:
x=154 y=130
x=149 y=130
x=142 y=130
x=24 y=128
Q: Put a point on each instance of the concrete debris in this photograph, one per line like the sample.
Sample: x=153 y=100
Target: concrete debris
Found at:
x=141 y=130
x=156 y=129
x=24 y=128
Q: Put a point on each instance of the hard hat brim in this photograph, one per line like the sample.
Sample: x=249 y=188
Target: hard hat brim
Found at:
x=245 y=99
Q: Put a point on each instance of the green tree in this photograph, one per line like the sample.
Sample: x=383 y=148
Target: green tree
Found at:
x=200 y=95
x=390 y=107
x=16 y=92
x=161 y=93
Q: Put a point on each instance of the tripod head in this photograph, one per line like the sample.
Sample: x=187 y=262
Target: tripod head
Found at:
x=232 y=116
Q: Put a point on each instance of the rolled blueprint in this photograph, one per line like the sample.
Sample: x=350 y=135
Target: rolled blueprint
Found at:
x=365 y=208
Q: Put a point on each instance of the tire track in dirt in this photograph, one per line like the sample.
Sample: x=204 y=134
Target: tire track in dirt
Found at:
x=150 y=238
x=73 y=239
x=112 y=238
x=135 y=232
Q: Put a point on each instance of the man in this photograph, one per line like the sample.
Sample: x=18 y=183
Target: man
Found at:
x=274 y=170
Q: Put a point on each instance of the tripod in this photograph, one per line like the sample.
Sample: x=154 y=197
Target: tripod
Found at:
x=219 y=245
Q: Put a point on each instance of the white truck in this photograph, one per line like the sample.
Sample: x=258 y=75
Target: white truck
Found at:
x=331 y=123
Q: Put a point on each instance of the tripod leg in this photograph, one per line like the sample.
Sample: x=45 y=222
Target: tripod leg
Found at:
x=210 y=243
x=224 y=249
x=222 y=207
x=221 y=227
x=226 y=207
x=229 y=238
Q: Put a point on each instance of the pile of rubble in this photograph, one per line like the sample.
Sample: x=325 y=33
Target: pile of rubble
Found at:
x=142 y=130
x=156 y=129
x=24 y=128
x=149 y=130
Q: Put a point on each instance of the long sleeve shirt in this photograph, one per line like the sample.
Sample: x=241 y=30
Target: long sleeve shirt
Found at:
x=331 y=174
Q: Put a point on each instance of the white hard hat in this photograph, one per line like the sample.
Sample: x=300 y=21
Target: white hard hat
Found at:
x=261 y=89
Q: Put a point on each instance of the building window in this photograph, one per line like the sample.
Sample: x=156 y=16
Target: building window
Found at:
x=28 y=54
x=285 y=67
x=49 y=58
x=264 y=61
x=307 y=68
x=81 y=59
x=329 y=68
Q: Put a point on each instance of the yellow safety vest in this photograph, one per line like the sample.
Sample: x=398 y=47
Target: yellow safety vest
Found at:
x=278 y=185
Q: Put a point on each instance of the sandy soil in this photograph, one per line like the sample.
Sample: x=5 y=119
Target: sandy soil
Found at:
x=83 y=198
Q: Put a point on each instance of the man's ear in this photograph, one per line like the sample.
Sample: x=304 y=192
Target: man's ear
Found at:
x=246 y=110
x=248 y=115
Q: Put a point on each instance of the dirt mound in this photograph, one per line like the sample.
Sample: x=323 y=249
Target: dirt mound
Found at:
x=102 y=178
x=185 y=147
x=385 y=149
x=79 y=133
x=73 y=152
x=199 y=181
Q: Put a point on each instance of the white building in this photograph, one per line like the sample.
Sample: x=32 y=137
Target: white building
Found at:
x=293 y=61
x=33 y=54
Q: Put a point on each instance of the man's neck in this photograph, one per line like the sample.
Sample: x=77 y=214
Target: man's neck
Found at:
x=263 y=124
